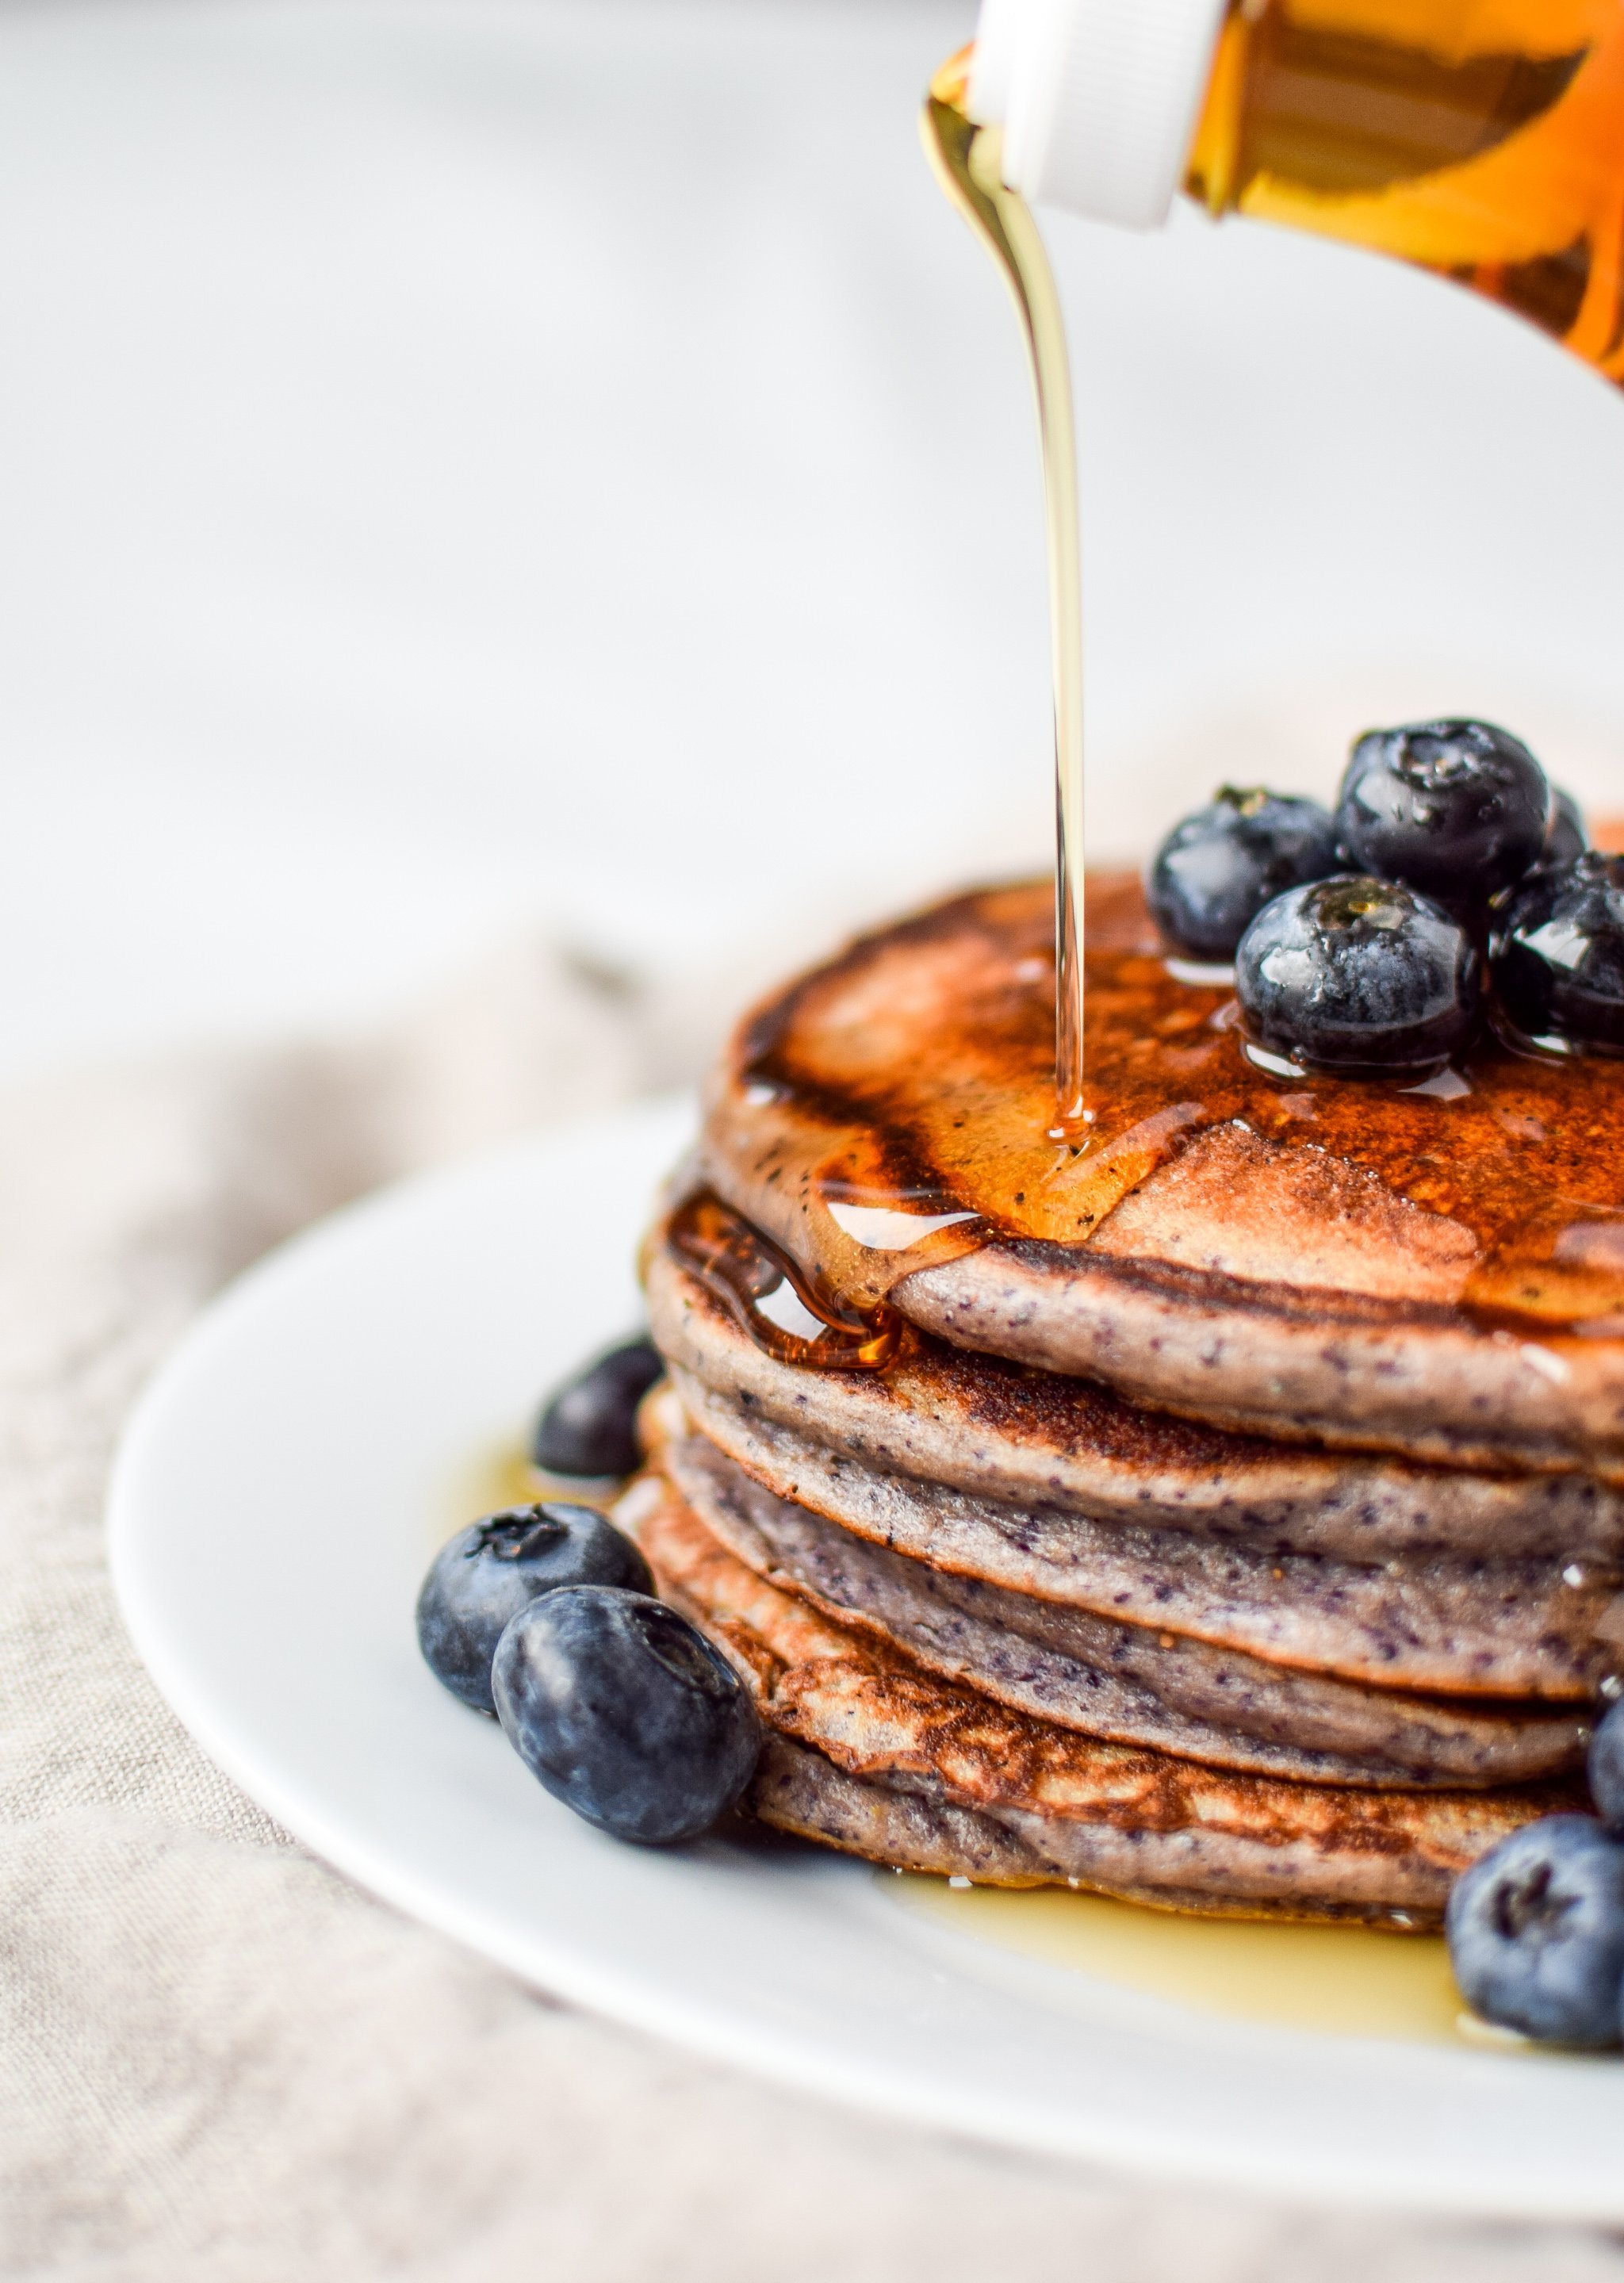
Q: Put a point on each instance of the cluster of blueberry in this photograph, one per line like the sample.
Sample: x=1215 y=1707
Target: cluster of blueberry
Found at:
x=1451 y=881
x=544 y=1618
x=1536 y=1926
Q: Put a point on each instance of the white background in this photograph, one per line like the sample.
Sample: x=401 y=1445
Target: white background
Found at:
x=515 y=461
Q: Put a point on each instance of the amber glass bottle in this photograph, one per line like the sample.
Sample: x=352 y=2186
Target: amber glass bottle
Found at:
x=1481 y=138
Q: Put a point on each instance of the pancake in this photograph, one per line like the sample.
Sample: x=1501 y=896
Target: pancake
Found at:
x=1415 y=1622
x=1067 y=1809
x=1021 y=1435
x=1524 y=1627
x=1128 y=1683
x=800 y=1791
x=1436 y=1273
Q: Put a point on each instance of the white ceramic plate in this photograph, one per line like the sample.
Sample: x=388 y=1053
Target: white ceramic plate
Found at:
x=277 y=1498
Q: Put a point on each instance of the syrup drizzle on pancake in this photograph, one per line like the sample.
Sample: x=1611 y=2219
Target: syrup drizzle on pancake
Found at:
x=770 y=1298
x=969 y=161
x=913 y=1071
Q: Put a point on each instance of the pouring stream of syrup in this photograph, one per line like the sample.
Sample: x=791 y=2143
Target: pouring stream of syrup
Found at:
x=967 y=162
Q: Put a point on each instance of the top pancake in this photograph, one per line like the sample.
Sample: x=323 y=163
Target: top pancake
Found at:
x=1441 y=1274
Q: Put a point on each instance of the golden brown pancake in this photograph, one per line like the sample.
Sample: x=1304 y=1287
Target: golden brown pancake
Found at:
x=1340 y=1261
x=1417 y=1621
x=1133 y=1684
x=1021 y=1435
x=1458 y=1624
x=1000 y=1795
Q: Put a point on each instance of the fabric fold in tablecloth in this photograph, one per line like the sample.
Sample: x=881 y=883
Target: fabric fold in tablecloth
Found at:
x=217 y=2059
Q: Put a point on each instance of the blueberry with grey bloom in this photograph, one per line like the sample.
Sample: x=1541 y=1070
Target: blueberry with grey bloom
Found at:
x=1458 y=809
x=588 y=1426
x=623 y=1710
x=1605 y=1766
x=1555 y=954
x=1218 y=867
x=495 y=1568
x=1536 y=1932
x=1357 y=976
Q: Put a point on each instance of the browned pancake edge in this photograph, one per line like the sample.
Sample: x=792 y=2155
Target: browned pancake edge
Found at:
x=1119 y=1819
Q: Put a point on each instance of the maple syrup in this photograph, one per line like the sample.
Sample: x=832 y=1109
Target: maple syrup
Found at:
x=499 y=1475
x=1334 y=1981
x=772 y=1300
x=968 y=160
x=918 y=1066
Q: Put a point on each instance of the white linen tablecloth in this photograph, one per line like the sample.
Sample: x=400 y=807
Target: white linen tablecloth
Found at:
x=218 y=2060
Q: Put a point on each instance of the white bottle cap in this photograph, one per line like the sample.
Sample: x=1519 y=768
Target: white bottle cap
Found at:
x=992 y=60
x=1099 y=98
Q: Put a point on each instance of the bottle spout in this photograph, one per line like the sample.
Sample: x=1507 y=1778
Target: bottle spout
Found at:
x=1098 y=99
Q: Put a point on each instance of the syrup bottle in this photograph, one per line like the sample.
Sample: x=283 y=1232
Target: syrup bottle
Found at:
x=1482 y=139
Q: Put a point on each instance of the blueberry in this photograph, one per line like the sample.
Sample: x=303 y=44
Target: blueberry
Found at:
x=1357 y=976
x=1219 y=868
x=1458 y=809
x=495 y=1568
x=588 y=1426
x=1605 y=1766
x=1556 y=953
x=1536 y=1932
x=623 y=1710
x=1566 y=836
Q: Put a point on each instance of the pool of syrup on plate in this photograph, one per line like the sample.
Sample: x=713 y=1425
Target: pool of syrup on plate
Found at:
x=499 y=1475
x=1333 y=1980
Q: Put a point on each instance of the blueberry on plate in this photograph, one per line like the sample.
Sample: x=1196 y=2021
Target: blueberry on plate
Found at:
x=1556 y=954
x=1358 y=977
x=588 y=1426
x=1536 y=1932
x=1566 y=836
x=495 y=1568
x=1605 y=1766
x=623 y=1710
x=1217 y=869
x=1458 y=809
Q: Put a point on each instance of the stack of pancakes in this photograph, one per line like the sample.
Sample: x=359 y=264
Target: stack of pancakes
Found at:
x=1228 y=1514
